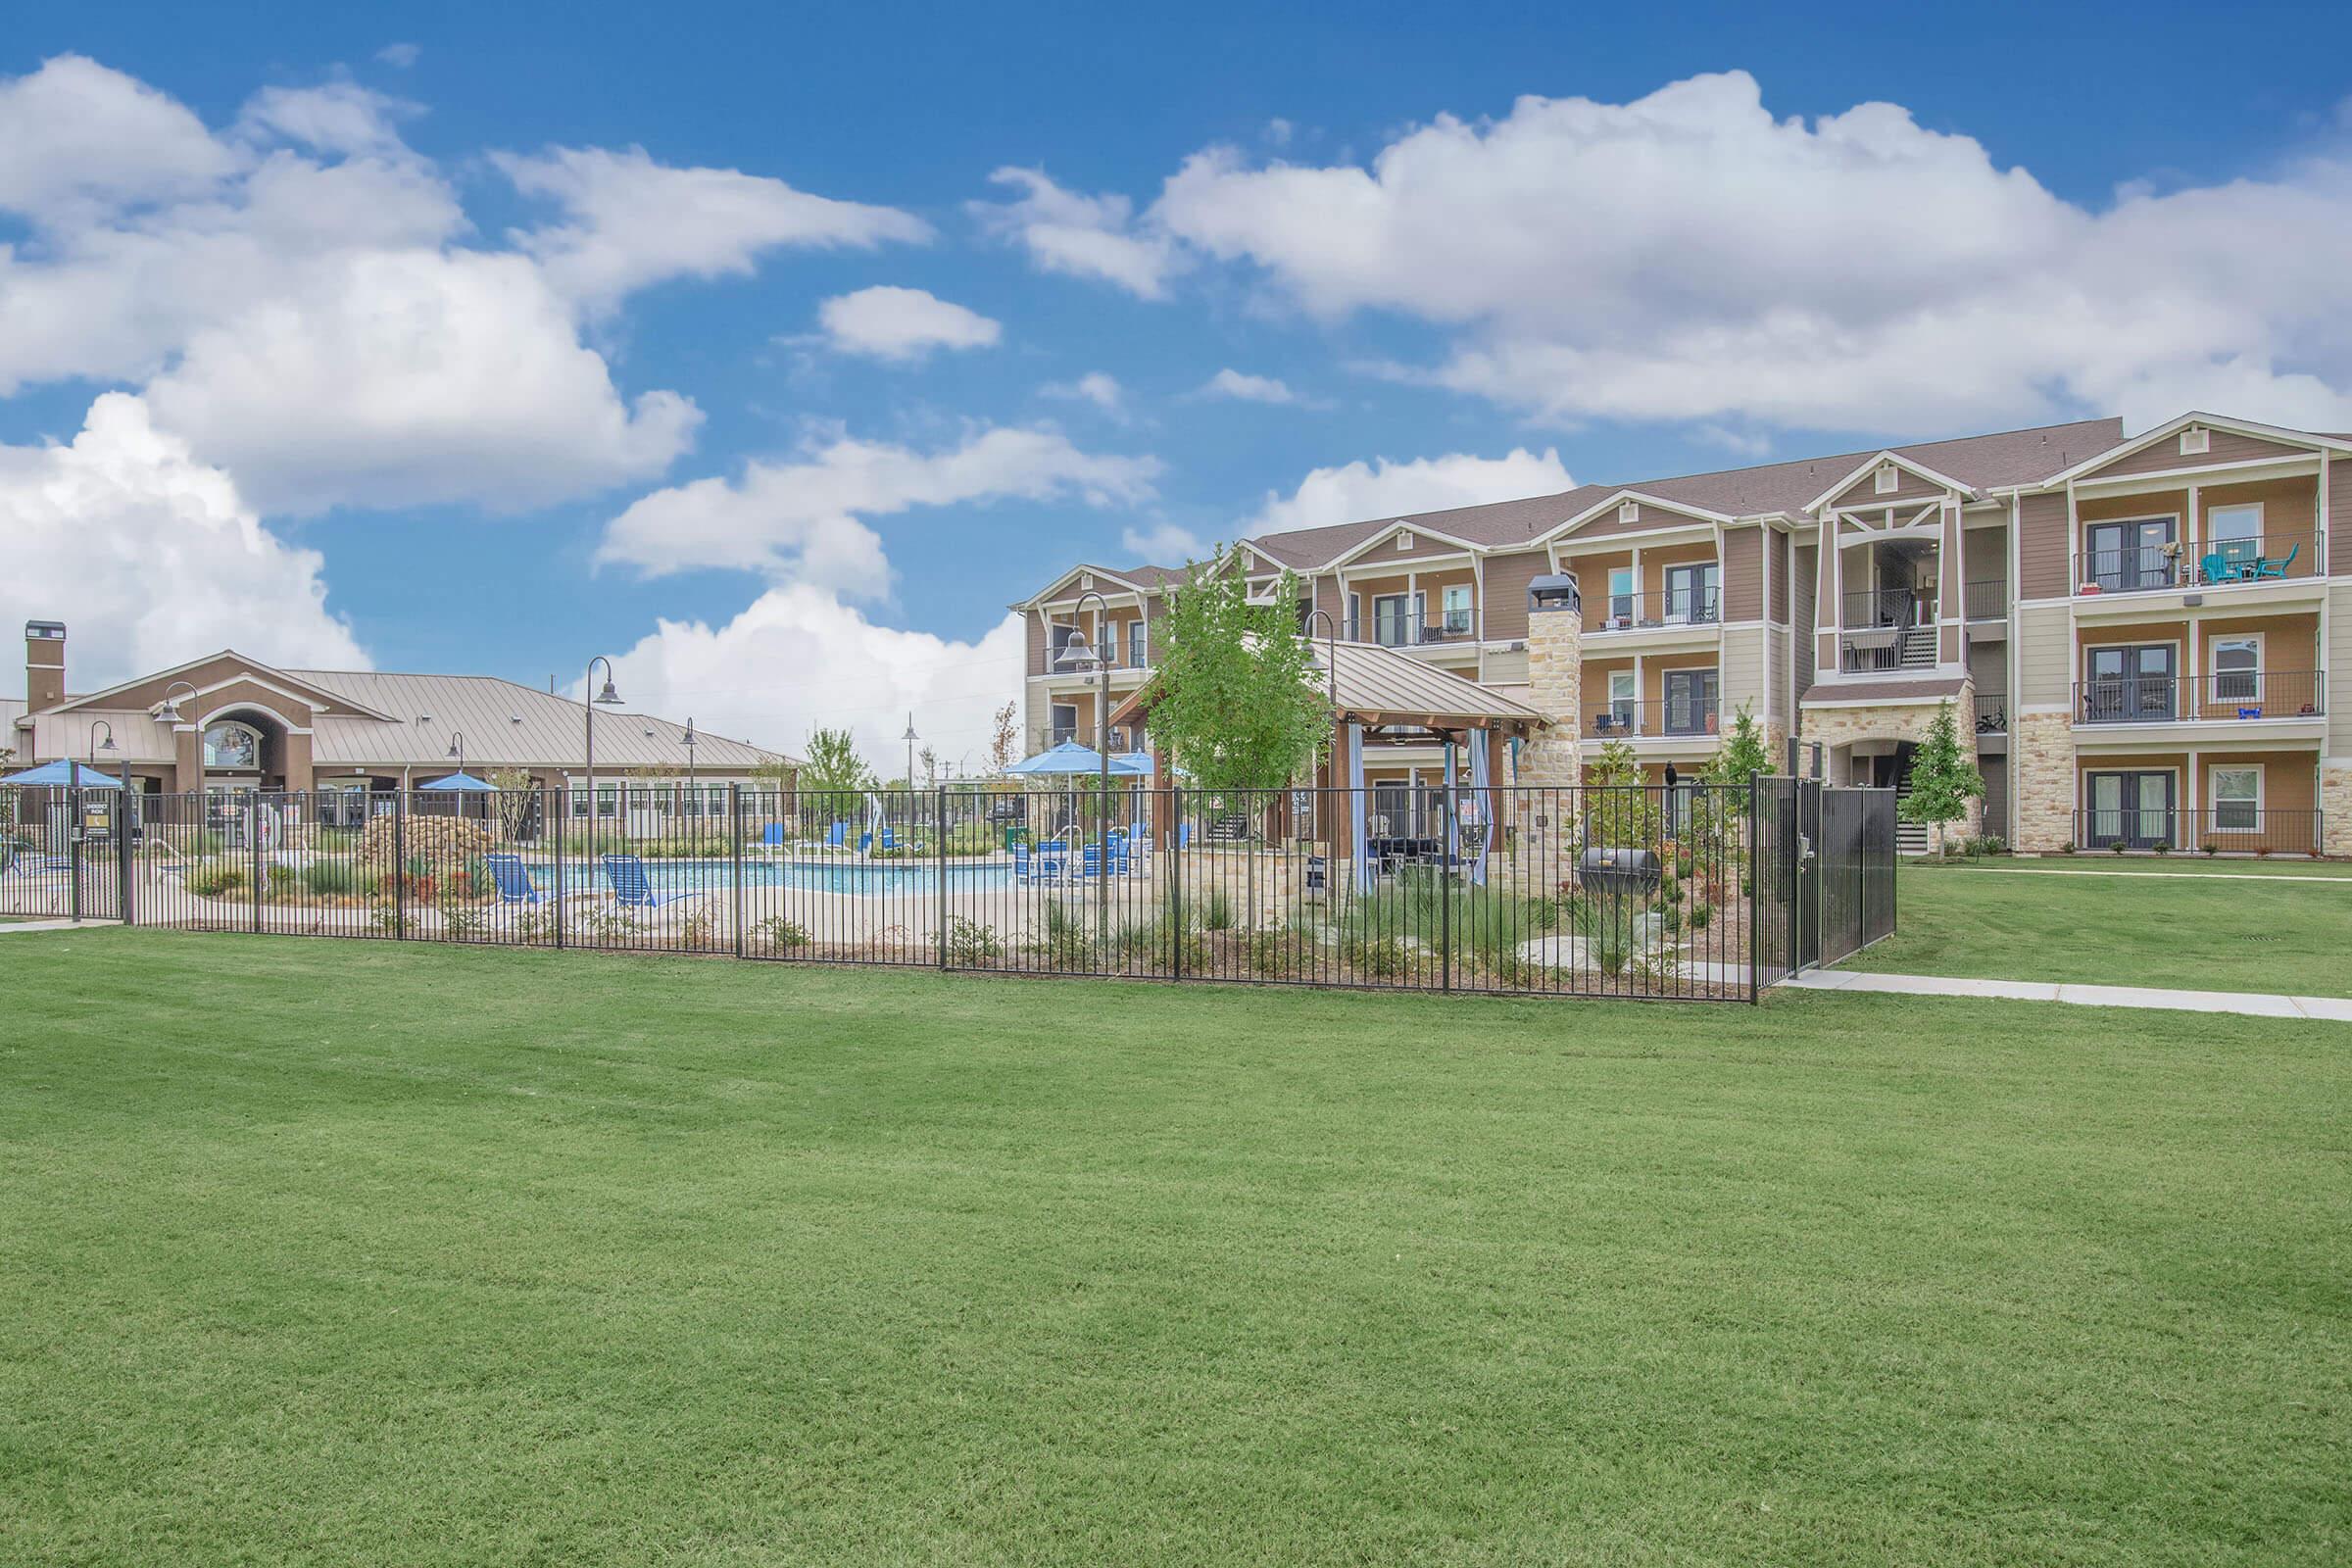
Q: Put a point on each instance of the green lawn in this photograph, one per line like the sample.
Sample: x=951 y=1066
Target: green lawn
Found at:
x=2207 y=932
x=332 y=1251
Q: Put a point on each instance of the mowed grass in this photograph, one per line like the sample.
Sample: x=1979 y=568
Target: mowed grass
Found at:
x=334 y=1252
x=2203 y=932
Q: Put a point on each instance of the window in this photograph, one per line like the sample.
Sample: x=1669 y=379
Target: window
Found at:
x=1134 y=642
x=2238 y=525
x=2130 y=554
x=232 y=746
x=1623 y=702
x=2236 y=670
x=1396 y=619
x=1691 y=596
x=607 y=800
x=2237 y=800
x=2195 y=441
x=2128 y=683
x=1621 y=596
x=1888 y=478
x=1689 y=701
x=1458 y=610
x=1065 y=723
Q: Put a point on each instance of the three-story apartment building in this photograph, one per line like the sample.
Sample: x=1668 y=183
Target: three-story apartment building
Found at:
x=2136 y=633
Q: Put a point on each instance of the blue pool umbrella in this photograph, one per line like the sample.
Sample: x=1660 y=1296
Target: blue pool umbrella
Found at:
x=460 y=783
x=62 y=774
x=1072 y=758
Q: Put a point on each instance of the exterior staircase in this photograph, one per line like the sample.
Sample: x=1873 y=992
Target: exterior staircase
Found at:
x=1918 y=647
x=1910 y=838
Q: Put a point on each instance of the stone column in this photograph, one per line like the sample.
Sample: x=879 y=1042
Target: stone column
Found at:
x=1555 y=674
x=2041 y=778
x=2335 y=806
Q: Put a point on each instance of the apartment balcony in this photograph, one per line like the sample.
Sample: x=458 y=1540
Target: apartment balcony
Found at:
x=1985 y=600
x=2257 y=562
x=2212 y=700
x=1669 y=720
x=1085 y=735
x=2226 y=829
x=1667 y=609
x=1446 y=628
x=1993 y=714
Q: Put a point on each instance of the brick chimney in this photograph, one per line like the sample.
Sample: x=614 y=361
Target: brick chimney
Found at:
x=44 y=663
x=1555 y=674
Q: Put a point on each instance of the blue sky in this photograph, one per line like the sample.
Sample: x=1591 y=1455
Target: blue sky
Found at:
x=1640 y=285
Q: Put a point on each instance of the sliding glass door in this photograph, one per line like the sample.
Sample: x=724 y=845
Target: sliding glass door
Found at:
x=2133 y=807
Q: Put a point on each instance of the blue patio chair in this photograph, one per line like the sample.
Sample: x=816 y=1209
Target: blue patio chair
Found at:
x=837 y=836
x=1184 y=835
x=1053 y=861
x=1024 y=869
x=2278 y=568
x=632 y=889
x=1089 y=861
x=2216 y=568
x=1122 y=855
x=514 y=881
x=771 y=837
x=865 y=841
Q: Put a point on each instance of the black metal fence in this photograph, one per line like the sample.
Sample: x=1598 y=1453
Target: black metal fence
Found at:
x=1692 y=892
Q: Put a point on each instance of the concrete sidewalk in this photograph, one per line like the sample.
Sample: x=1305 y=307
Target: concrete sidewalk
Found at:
x=6 y=926
x=2250 y=1004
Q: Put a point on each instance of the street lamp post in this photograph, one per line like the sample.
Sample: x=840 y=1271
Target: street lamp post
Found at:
x=457 y=750
x=688 y=741
x=1076 y=656
x=1331 y=675
x=608 y=698
x=911 y=738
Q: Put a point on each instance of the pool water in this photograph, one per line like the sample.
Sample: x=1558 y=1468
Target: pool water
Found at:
x=863 y=879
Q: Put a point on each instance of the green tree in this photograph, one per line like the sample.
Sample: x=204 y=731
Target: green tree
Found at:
x=1238 y=700
x=1741 y=756
x=518 y=796
x=833 y=762
x=1944 y=779
x=1620 y=804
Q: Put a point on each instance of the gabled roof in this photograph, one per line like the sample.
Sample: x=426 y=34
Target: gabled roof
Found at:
x=1134 y=579
x=1391 y=530
x=1879 y=459
x=266 y=675
x=1381 y=685
x=1616 y=498
x=2215 y=421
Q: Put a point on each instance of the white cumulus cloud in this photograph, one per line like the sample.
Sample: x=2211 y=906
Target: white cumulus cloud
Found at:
x=1245 y=388
x=1097 y=387
x=1078 y=235
x=901 y=324
x=804 y=519
x=631 y=222
x=1687 y=256
x=150 y=556
x=1163 y=544
x=1356 y=491
x=845 y=670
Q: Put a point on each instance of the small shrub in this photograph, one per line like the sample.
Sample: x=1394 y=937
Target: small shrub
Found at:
x=460 y=918
x=2212 y=847
x=971 y=944
x=2117 y=845
x=1216 y=914
x=1702 y=914
x=1382 y=956
x=329 y=879
x=2068 y=848
x=1682 y=862
x=216 y=879
x=699 y=931
x=777 y=934
x=607 y=923
x=1063 y=940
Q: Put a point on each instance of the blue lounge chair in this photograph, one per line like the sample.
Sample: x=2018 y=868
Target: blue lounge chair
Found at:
x=837 y=836
x=2278 y=568
x=865 y=842
x=771 y=837
x=632 y=889
x=1089 y=861
x=514 y=881
x=2216 y=568
x=1053 y=861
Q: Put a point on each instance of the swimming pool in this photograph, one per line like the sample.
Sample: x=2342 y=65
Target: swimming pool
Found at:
x=859 y=878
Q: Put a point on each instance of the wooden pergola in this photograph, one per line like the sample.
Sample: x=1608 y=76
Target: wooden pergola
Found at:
x=1385 y=693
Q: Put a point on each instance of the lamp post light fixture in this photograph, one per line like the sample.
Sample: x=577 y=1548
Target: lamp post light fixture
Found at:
x=1331 y=675
x=608 y=698
x=457 y=750
x=688 y=741
x=1077 y=656
x=95 y=726
x=911 y=738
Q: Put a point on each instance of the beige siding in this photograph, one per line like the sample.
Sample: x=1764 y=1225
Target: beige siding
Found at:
x=2044 y=566
x=2339 y=506
x=1909 y=486
x=2044 y=657
x=2339 y=664
x=1645 y=517
x=2165 y=455
x=1802 y=587
x=1507 y=577
x=1504 y=667
x=1744 y=574
x=1783 y=564
x=1987 y=555
x=1743 y=670
x=1035 y=623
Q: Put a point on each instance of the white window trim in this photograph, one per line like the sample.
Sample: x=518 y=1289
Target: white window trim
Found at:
x=2213 y=794
x=2213 y=512
x=1632 y=689
x=1888 y=479
x=2195 y=441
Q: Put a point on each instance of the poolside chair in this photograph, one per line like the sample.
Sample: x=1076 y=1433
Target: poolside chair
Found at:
x=514 y=881
x=865 y=842
x=771 y=837
x=837 y=836
x=2278 y=568
x=632 y=889
x=1053 y=861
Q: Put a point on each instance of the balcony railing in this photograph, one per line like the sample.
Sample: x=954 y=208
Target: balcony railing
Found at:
x=1985 y=600
x=1403 y=631
x=1890 y=606
x=1993 y=714
x=1886 y=649
x=2214 y=564
x=1669 y=607
x=2224 y=829
x=2203 y=700
x=1628 y=721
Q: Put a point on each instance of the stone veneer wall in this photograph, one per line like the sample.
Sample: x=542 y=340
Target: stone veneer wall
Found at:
x=2041 y=782
x=1833 y=727
x=1556 y=677
x=2335 y=807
